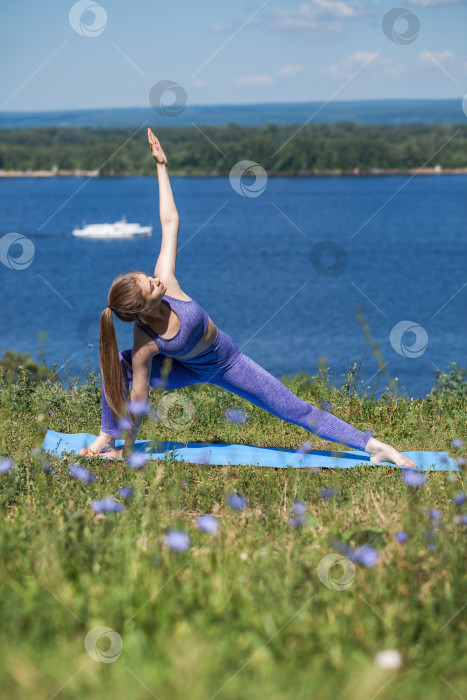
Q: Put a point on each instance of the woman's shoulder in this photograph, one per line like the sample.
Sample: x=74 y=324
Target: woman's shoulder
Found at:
x=173 y=288
x=179 y=297
x=143 y=344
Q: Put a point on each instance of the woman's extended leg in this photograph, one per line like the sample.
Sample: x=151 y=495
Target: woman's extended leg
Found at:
x=234 y=371
x=248 y=379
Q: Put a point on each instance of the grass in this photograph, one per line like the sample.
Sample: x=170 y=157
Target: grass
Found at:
x=242 y=613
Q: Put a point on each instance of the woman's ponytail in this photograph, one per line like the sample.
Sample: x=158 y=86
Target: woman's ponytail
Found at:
x=126 y=300
x=113 y=381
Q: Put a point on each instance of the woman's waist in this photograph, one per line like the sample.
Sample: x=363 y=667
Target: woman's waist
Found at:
x=204 y=343
x=221 y=354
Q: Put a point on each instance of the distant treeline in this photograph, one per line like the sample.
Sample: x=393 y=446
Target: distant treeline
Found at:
x=314 y=147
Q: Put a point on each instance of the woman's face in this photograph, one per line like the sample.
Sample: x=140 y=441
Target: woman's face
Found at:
x=153 y=290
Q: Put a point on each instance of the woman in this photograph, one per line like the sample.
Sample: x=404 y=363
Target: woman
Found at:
x=168 y=323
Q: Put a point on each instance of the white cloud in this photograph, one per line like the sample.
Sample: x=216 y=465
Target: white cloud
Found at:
x=250 y=22
x=249 y=80
x=394 y=70
x=440 y=56
x=346 y=66
x=335 y=8
x=320 y=14
x=284 y=72
x=381 y=67
x=444 y=61
x=288 y=71
x=430 y=3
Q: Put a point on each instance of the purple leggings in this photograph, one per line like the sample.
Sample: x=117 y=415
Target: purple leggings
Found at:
x=225 y=365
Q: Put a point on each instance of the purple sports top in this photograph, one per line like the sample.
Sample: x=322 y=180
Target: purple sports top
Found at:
x=193 y=324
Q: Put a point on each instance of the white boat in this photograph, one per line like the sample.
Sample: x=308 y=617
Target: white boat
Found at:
x=119 y=229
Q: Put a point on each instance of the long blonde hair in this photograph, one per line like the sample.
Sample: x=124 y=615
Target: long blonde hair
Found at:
x=126 y=301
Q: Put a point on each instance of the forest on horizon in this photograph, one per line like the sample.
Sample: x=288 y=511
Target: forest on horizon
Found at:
x=292 y=149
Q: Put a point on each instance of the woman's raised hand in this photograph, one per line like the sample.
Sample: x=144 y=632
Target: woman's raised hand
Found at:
x=156 y=148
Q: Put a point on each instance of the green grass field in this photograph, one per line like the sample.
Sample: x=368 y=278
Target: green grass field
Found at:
x=260 y=608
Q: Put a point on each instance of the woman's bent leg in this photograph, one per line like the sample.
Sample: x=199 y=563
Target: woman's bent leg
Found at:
x=178 y=377
x=251 y=381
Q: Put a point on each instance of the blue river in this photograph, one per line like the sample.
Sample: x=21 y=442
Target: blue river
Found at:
x=282 y=269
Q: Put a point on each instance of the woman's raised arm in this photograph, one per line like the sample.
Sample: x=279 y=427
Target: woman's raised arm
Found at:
x=170 y=221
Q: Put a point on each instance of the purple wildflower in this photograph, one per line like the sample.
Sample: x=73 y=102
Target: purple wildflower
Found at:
x=365 y=555
x=81 y=473
x=431 y=547
x=456 y=443
x=125 y=423
x=298 y=521
x=299 y=508
x=237 y=501
x=464 y=519
x=125 y=491
x=137 y=460
x=435 y=514
x=138 y=407
x=48 y=469
x=462 y=461
x=401 y=536
x=327 y=493
x=341 y=547
x=305 y=448
x=413 y=478
x=234 y=415
x=177 y=540
x=208 y=523
x=51 y=413
x=106 y=505
x=459 y=498
x=5 y=465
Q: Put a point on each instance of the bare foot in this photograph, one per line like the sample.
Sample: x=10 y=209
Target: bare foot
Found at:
x=112 y=453
x=103 y=443
x=380 y=452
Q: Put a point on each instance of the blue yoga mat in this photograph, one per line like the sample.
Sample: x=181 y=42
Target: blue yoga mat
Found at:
x=225 y=454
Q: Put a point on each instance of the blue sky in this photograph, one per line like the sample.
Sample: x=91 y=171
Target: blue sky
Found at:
x=228 y=52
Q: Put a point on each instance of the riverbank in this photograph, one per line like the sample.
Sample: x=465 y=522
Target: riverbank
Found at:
x=436 y=170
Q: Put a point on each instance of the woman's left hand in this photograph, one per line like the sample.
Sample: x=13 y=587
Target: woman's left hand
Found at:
x=156 y=148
